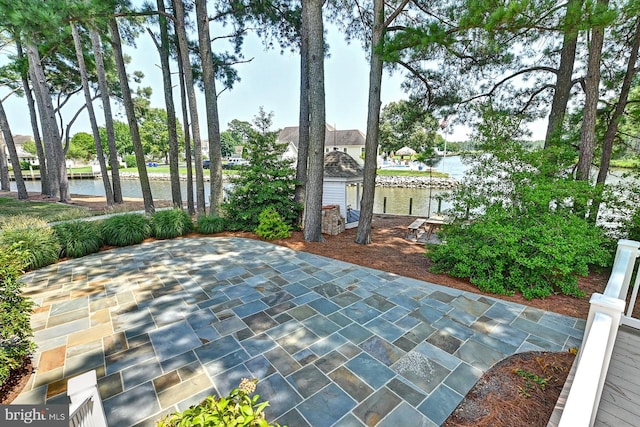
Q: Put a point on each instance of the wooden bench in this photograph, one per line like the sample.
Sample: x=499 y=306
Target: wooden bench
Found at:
x=413 y=230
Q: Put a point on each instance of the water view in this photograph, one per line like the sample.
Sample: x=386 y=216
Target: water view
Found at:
x=400 y=201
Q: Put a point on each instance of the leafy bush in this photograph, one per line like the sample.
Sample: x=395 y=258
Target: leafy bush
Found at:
x=79 y=238
x=15 y=312
x=238 y=409
x=171 y=223
x=209 y=224
x=504 y=251
x=130 y=160
x=32 y=236
x=126 y=229
x=272 y=226
x=266 y=181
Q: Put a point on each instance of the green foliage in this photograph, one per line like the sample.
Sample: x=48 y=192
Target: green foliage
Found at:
x=267 y=181
x=272 y=226
x=171 y=223
x=130 y=160
x=238 y=409
x=209 y=224
x=32 y=236
x=505 y=251
x=126 y=229
x=154 y=133
x=15 y=311
x=48 y=211
x=407 y=123
x=81 y=146
x=79 y=238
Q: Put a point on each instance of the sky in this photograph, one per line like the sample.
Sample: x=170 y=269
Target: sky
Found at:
x=270 y=80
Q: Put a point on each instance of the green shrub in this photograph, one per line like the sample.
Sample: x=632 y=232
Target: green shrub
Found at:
x=126 y=229
x=238 y=409
x=272 y=226
x=171 y=223
x=15 y=312
x=130 y=160
x=79 y=238
x=504 y=251
x=209 y=224
x=33 y=236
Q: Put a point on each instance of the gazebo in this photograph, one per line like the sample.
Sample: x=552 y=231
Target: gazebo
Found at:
x=406 y=151
x=341 y=171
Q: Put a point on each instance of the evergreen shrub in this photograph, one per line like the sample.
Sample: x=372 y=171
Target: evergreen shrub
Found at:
x=126 y=229
x=79 y=238
x=272 y=226
x=210 y=224
x=15 y=311
x=32 y=236
x=171 y=223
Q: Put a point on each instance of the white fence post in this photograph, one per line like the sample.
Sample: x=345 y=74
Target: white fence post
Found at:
x=86 y=408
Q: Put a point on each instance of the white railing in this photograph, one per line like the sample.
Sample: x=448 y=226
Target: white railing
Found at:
x=86 y=408
x=605 y=317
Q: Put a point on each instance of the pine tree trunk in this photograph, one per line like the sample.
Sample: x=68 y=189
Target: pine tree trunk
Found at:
x=592 y=86
x=178 y=8
x=92 y=115
x=563 y=85
x=317 y=123
x=13 y=154
x=131 y=117
x=56 y=165
x=33 y=115
x=96 y=42
x=211 y=103
x=172 y=130
x=303 y=125
x=187 y=132
x=363 y=235
x=5 y=180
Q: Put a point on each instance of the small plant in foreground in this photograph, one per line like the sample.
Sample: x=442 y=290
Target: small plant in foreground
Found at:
x=238 y=409
x=209 y=224
x=33 y=236
x=126 y=229
x=15 y=312
x=171 y=223
x=78 y=238
x=530 y=381
x=272 y=226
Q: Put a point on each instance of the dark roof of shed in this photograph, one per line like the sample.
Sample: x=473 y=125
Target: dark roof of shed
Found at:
x=341 y=165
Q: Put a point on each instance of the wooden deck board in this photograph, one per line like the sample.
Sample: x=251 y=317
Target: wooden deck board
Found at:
x=620 y=402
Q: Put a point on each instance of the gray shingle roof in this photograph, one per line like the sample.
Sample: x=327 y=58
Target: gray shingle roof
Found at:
x=332 y=136
x=341 y=165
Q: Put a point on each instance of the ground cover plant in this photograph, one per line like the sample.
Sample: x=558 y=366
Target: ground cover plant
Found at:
x=33 y=236
x=126 y=229
x=209 y=224
x=170 y=223
x=79 y=238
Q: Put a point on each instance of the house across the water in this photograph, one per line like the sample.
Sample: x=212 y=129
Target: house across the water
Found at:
x=350 y=142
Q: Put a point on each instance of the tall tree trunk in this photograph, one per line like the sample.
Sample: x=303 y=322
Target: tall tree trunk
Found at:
x=363 y=235
x=211 y=103
x=96 y=42
x=13 y=154
x=303 y=125
x=92 y=115
x=317 y=122
x=5 y=181
x=592 y=91
x=131 y=117
x=178 y=8
x=56 y=166
x=563 y=85
x=187 y=131
x=163 y=49
x=33 y=115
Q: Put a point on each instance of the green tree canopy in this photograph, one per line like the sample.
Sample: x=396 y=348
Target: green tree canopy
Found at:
x=407 y=123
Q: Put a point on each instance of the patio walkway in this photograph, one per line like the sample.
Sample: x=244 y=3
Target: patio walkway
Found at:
x=167 y=323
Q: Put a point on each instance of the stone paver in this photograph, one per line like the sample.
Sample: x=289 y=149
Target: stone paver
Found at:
x=167 y=323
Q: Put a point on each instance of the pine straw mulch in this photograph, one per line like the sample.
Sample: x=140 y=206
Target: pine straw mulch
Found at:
x=501 y=397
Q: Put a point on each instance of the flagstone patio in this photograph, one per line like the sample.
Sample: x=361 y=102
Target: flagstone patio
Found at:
x=167 y=323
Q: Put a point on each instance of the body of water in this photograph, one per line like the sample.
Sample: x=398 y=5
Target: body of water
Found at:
x=387 y=200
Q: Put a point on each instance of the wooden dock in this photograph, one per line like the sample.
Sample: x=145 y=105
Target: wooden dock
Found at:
x=620 y=402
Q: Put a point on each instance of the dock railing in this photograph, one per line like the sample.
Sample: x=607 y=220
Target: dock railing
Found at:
x=605 y=317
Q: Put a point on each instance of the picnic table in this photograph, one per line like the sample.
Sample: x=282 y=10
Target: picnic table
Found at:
x=423 y=228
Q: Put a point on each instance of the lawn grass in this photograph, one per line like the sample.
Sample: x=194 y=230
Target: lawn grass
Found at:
x=47 y=211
